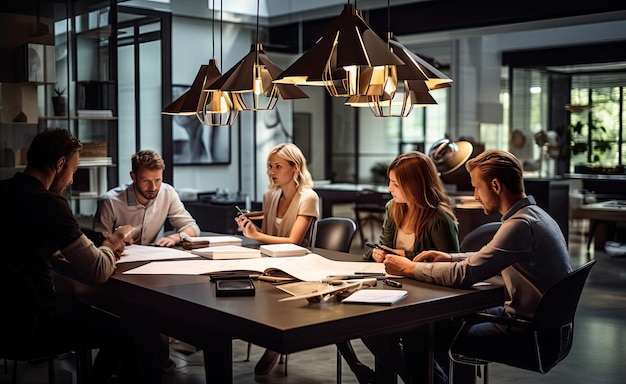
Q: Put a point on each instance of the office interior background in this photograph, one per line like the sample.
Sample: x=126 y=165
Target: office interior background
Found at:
x=518 y=72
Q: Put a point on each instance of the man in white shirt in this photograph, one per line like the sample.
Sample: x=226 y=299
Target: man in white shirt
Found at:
x=145 y=204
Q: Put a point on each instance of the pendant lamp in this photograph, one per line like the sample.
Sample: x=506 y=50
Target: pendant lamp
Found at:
x=404 y=86
x=216 y=107
x=250 y=81
x=349 y=59
x=187 y=103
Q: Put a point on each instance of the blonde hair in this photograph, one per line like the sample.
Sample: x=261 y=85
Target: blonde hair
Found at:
x=501 y=165
x=147 y=159
x=293 y=155
x=422 y=188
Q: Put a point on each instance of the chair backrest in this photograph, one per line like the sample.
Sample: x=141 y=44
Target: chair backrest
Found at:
x=558 y=305
x=479 y=236
x=22 y=310
x=335 y=233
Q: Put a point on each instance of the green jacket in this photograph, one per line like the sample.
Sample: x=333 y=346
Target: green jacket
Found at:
x=440 y=233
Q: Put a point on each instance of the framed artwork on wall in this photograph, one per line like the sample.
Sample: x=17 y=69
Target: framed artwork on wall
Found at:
x=195 y=143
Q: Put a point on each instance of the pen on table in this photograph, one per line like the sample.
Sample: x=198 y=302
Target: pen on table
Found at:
x=392 y=283
x=370 y=273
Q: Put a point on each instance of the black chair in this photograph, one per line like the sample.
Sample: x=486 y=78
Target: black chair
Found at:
x=479 y=236
x=544 y=340
x=369 y=209
x=20 y=323
x=335 y=233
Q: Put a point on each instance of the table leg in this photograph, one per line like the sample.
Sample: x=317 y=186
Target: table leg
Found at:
x=218 y=360
x=383 y=375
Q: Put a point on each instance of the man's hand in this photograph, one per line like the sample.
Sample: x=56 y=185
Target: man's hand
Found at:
x=399 y=265
x=427 y=256
x=115 y=240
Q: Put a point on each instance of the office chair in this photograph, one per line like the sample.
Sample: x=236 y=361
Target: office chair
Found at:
x=336 y=234
x=369 y=209
x=479 y=236
x=20 y=323
x=544 y=340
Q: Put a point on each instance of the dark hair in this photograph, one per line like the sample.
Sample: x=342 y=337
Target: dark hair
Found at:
x=148 y=159
x=49 y=146
x=422 y=187
x=501 y=165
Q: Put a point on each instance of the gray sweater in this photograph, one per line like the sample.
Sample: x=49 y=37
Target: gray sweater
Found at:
x=529 y=251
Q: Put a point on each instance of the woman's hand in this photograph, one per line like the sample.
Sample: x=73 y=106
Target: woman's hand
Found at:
x=247 y=227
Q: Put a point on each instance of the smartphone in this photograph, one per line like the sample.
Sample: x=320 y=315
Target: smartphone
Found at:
x=372 y=245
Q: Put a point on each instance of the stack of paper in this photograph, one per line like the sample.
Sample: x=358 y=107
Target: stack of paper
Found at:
x=376 y=296
x=283 y=250
x=209 y=241
x=226 y=252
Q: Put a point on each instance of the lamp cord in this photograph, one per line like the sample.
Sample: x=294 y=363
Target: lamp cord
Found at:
x=221 y=39
x=256 y=47
x=213 y=27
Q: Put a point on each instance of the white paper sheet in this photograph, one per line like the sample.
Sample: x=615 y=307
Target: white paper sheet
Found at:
x=312 y=267
x=136 y=252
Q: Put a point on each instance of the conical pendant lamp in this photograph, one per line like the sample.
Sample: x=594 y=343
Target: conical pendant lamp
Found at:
x=349 y=59
x=251 y=81
x=216 y=107
x=187 y=103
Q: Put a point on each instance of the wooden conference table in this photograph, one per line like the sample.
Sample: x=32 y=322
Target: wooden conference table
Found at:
x=185 y=307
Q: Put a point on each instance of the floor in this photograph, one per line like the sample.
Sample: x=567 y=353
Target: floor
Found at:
x=596 y=356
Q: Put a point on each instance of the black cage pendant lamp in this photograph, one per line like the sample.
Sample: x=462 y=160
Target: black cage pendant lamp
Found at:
x=216 y=107
x=349 y=59
x=251 y=81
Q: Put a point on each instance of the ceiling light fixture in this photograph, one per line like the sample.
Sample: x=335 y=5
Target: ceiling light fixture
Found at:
x=250 y=81
x=349 y=59
x=405 y=86
x=216 y=107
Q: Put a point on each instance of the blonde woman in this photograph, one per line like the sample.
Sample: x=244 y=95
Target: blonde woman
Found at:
x=290 y=207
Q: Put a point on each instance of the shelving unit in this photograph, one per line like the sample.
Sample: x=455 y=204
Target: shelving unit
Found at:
x=87 y=69
x=73 y=51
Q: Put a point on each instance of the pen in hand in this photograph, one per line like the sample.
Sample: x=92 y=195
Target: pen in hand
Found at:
x=372 y=245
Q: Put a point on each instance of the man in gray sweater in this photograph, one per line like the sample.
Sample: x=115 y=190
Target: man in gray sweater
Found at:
x=529 y=251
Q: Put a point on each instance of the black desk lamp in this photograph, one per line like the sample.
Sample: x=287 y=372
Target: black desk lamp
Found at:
x=449 y=156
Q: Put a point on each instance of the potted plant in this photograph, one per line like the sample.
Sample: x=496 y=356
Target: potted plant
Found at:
x=58 y=102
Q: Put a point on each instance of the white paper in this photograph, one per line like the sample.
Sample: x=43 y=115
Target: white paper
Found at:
x=283 y=250
x=136 y=252
x=311 y=267
x=222 y=252
x=216 y=240
x=376 y=296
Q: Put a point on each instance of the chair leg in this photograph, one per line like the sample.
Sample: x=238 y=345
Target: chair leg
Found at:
x=248 y=352
x=480 y=370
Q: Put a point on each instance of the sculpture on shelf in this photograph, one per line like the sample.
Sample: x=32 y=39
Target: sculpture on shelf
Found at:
x=58 y=102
